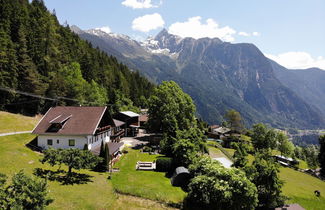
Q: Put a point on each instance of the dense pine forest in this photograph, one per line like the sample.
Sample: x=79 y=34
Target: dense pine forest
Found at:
x=41 y=57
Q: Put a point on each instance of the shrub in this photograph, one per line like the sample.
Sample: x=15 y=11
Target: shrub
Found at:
x=164 y=164
x=147 y=149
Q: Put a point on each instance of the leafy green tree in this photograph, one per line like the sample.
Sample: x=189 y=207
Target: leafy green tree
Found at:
x=215 y=187
x=78 y=159
x=285 y=146
x=52 y=157
x=311 y=153
x=184 y=152
x=263 y=137
x=3 y=194
x=170 y=109
x=24 y=192
x=321 y=155
x=73 y=158
x=234 y=120
x=298 y=153
x=95 y=94
x=123 y=103
x=264 y=174
x=240 y=155
x=172 y=112
x=193 y=136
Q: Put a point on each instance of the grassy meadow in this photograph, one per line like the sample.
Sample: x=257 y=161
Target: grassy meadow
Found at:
x=300 y=188
x=147 y=184
x=97 y=193
x=15 y=122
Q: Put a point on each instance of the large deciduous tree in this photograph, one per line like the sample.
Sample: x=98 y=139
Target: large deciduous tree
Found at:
x=73 y=158
x=321 y=155
x=284 y=145
x=234 y=120
x=240 y=155
x=215 y=187
x=172 y=112
x=311 y=153
x=170 y=109
x=264 y=174
x=263 y=137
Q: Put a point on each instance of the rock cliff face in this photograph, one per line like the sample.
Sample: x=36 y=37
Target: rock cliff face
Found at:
x=218 y=76
x=309 y=84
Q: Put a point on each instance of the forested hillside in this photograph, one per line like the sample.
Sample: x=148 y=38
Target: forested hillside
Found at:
x=39 y=56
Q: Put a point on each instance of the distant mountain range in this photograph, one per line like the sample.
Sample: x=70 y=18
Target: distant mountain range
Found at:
x=220 y=76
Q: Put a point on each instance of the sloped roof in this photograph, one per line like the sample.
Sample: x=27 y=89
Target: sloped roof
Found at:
x=143 y=118
x=114 y=147
x=221 y=130
x=130 y=114
x=118 y=123
x=181 y=169
x=76 y=120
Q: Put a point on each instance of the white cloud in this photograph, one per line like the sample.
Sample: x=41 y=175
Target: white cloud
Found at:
x=106 y=29
x=148 y=22
x=140 y=4
x=298 y=60
x=256 y=33
x=193 y=27
x=242 y=33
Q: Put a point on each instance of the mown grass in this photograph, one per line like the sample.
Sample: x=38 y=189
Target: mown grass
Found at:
x=300 y=188
x=215 y=152
x=147 y=184
x=96 y=194
x=16 y=122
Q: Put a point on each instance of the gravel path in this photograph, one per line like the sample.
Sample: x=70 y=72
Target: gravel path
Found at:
x=14 y=133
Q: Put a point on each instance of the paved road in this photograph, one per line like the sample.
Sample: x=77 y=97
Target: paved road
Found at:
x=13 y=133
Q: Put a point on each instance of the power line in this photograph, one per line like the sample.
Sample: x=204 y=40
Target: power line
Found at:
x=36 y=96
x=22 y=102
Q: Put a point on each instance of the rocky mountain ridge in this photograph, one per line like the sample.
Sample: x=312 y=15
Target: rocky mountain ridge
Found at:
x=218 y=76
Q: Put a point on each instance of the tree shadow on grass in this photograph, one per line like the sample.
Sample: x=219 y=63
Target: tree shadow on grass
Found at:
x=62 y=176
x=138 y=146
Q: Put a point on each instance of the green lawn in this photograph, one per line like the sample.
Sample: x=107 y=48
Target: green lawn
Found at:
x=147 y=184
x=215 y=152
x=16 y=122
x=300 y=188
x=96 y=194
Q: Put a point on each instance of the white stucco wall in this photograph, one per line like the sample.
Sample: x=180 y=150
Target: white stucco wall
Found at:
x=94 y=141
x=80 y=141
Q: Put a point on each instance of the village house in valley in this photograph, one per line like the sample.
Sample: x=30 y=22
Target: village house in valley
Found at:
x=76 y=127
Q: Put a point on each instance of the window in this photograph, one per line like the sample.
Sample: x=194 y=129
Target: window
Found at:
x=49 y=142
x=58 y=141
x=71 y=142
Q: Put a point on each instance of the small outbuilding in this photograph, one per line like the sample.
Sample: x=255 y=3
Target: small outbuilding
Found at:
x=180 y=177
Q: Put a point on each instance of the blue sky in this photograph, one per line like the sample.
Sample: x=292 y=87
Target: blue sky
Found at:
x=292 y=32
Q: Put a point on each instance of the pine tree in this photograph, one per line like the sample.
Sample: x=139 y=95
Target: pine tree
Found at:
x=107 y=158
x=38 y=55
x=102 y=150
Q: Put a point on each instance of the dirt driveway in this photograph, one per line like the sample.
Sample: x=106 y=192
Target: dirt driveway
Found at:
x=135 y=141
